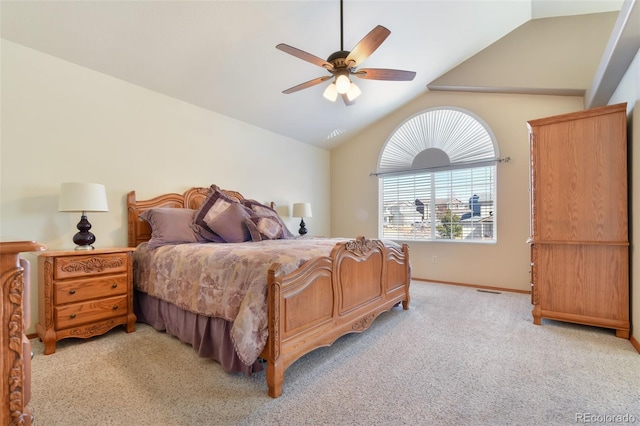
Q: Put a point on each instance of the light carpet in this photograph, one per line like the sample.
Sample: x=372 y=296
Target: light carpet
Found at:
x=458 y=356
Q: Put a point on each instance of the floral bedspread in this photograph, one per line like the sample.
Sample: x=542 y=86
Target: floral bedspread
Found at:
x=224 y=280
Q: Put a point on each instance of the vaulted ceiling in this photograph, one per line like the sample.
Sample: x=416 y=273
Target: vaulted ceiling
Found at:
x=221 y=55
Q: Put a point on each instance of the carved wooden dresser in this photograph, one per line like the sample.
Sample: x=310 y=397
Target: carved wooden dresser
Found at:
x=84 y=293
x=15 y=348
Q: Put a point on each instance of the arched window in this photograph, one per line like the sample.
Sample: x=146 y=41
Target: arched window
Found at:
x=438 y=179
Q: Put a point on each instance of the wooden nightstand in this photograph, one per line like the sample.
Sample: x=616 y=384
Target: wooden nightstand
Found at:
x=84 y=293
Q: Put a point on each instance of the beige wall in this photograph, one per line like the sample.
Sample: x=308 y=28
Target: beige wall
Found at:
x=354 y=194
x=537 y=55
x=629 y=91
x=62 y=122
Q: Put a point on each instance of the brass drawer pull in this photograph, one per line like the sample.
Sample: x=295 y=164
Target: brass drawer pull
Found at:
x=72 y=291
x=114 y=285
x=72 y=316
x=115 y=307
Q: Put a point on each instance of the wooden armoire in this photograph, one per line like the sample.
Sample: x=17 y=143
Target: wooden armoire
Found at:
x=579 y=218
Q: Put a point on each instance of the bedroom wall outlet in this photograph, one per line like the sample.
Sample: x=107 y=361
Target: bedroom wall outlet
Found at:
x=434 y=259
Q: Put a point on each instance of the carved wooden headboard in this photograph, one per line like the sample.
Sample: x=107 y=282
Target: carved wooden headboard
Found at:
x=139 y=231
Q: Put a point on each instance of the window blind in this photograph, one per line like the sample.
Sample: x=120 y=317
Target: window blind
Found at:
x=452 y=205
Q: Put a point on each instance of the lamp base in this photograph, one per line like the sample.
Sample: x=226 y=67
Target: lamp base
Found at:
x=84 y=238
x=303 y=228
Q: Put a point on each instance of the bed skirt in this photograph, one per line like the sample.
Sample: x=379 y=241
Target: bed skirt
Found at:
x=209 y=336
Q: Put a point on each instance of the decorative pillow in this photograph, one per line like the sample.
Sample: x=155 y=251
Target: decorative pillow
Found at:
x=264 y=228
x=170 y=226
x=229 y=223
x=212 y=206
x=261 y=210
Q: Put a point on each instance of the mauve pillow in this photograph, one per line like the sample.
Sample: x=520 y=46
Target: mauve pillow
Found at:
x=215 y=203
x=261 y=210
x=264 y=228
x=229 y=223
x=171 y=226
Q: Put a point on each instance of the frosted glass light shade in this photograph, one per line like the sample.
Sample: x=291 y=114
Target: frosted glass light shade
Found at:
x=343 y=84
x=331 y=93
x=82 y=197
x=354 y=92
x=301 y=210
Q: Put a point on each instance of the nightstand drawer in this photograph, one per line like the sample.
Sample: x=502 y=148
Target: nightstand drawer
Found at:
x=89 y=265
x=81 y=313
x=74 y=291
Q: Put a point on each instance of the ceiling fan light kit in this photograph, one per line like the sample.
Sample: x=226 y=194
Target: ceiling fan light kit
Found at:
x=343 y=64
x=331 y=92
x=353 y=92
x=342 y=82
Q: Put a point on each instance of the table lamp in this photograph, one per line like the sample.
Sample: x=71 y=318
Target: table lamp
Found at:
x=83 y=197
x=302 y=210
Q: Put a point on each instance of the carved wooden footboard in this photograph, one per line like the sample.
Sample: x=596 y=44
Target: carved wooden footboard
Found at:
x=329 y=297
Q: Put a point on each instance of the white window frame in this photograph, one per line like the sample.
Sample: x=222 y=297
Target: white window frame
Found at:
x=444 y=142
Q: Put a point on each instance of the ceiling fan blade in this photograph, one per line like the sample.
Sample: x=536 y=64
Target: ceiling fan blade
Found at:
x=367 y=46
x=384 y=74
x=301 y=54
x=306 y=84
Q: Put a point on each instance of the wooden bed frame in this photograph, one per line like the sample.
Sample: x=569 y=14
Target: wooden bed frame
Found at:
x=324 y=299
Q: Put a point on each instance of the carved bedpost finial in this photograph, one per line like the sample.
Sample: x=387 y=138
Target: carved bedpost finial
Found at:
x=359 y=246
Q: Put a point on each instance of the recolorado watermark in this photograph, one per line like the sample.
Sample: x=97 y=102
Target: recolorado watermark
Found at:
x=605 y=418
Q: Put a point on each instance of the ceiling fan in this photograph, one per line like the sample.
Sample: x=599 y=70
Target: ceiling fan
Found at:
x=342 y=64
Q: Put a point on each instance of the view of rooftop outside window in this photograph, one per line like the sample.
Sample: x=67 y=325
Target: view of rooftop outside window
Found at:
x=448 y=205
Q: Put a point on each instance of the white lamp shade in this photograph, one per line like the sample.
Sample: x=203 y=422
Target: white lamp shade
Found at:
x=283 y=211
x=82 y=197
x=301 y=210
